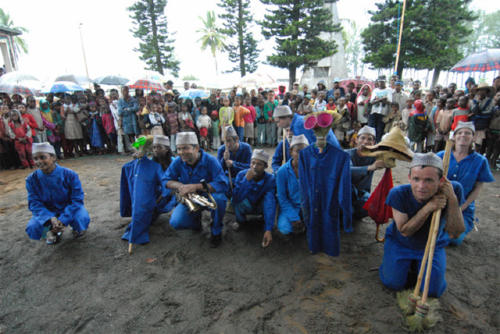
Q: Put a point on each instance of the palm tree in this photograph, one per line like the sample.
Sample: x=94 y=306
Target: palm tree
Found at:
x=19 y=43
x=212 y=36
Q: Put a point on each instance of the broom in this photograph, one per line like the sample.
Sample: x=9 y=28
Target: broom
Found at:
x=420 y=319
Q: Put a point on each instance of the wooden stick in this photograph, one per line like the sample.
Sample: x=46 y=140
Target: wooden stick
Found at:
x=130 y=248
x=284 y=147
x=416 y=291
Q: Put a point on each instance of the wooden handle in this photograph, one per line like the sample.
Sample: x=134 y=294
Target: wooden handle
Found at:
x=416 y=292
x=130 y=248
x=284 y=147
x=376 y=234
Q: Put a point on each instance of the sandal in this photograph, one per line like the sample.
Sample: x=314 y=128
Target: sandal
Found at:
x=53 y=238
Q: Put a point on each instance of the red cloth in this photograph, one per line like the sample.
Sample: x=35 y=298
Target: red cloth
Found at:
x=108 y=123
x=203 y=132
x=28 y=118
x=375 y=205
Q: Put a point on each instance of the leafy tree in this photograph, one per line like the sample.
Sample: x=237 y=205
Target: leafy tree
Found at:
x=432 y=34
x=19 y=43
x=352 y=44
x=211 y=36
x=485 y=33
x=150 y=26
x=189 y=77
x=242 y=47
x=296 y=26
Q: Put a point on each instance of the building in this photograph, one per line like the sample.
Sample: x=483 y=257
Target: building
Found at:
x=331 y=67
x=7 y=48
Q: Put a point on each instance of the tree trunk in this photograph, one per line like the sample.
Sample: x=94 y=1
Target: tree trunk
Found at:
x=292 y=72
x=154 y=29
x=435 y=77
x=241 y=45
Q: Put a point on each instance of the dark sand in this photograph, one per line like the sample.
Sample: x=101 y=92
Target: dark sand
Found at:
x=177 y=284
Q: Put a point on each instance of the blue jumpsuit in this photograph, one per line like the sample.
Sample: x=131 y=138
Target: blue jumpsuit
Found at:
x=361 y=181
x=142 y=197
x=251 y=197
x=288 y=191
x=325 y=187
x=473 y=168
x=401 y=251
x=209 y=169
x=58 y=194
x=241 y=158
x=278 y=155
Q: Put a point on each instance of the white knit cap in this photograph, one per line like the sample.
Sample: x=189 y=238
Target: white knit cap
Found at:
x=230 y=131
x=43 y=148
x=367 y=130
x=186 y=138
x=427 y=159
x=465 y=125
x=260 y=155
x=282 y=111
x=162 y=140
x=301 y=139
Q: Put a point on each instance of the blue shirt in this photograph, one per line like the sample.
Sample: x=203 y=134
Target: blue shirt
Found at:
x=241 y=158
x=473 y=168
x=361 y=178
x=256 y=192
x=127 y=110
x=401 y=198
x=287 y=185
x=278 y=155
x=58 y=194
x=207 y=168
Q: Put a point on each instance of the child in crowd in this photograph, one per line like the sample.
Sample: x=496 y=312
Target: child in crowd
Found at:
x=320 y=103
x=226 y=116
x=109 y=127
x=419 y=126
x=154 y=121
x=461 y=113
x=96 y=131
x=173 y=124
x=185 y=119
x=239 y=114
x=215 y=130
x=392 y=118
x=53 y=122
x=405 y=113
x=23 y=138
x=204 y=123
x=331 y=104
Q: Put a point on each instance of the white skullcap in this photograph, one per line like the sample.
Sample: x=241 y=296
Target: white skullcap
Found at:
x=186 y=138
x=230 y=131
x=301 y=139
x=282 y=111
x=43 y=148
x=162 y=140
x=367 y=130
x=426 y=159
x=465 y=125
x=260 y=155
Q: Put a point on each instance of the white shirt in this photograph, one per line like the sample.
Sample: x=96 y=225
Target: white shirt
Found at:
x=113 y=106
x=204 y=121
x=381 y=108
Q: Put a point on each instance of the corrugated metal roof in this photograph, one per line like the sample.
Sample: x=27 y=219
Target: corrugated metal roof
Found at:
x=9 y=31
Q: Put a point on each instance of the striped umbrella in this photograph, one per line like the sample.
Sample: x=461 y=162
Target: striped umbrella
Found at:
x=484 y=61
x=16 y=89
x=147 y=85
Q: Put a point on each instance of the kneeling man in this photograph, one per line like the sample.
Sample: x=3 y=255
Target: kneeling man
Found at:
x=195 y=171
x=412 y=206
x=255 y=193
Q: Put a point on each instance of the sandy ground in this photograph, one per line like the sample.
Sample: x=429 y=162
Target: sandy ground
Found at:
x=177 y=284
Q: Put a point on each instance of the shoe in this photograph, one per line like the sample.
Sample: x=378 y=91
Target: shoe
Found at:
x=53 y=238
x=235 y=226
x=215 y=240
x=78 y=235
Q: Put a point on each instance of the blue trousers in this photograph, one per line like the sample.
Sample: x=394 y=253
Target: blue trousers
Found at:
x=241 y=132
x=244 y=208
x=182 y=218
x=397 y=261
x=359 y=199
x=261 y=133
x=377 y=121
x=285 y=220
x=81 y=221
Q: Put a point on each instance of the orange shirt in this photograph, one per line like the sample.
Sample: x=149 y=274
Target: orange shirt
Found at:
x=239 y=112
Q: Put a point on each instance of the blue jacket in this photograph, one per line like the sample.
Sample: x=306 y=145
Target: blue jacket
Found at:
x=288 y=191
x=127 y=110
x=278 y=155
x=361 y=178
x=325 y=186
x=263 y=191
x=241 y=158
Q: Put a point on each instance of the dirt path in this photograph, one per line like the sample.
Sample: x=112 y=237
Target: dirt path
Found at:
x=177 y=284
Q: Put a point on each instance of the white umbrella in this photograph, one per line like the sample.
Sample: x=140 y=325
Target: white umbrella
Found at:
x=16 y=77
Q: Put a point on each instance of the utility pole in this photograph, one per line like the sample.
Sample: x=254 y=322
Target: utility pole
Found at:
x=83 y=50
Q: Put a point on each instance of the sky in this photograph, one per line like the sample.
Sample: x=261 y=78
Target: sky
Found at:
x=55 y=46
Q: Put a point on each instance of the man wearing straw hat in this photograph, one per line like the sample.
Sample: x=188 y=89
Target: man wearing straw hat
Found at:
x=55 y=197
x=362 y=168
x=481 y=112
x=189 y=173
x=255 y=193
x=234 y=155
x=412 y=206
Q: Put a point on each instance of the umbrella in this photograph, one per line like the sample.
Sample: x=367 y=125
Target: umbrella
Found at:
x=146 y=84
x=112 y=80
x=16 y=89
x=77 y=79
x=63 y=87
x=194 y=93
x=484 y=61
x=16 y=77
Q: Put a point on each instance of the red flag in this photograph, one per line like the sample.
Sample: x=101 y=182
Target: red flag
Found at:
x=375 y=205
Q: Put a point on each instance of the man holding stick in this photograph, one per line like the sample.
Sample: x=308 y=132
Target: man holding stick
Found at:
x=412 y=206
x=234 y=155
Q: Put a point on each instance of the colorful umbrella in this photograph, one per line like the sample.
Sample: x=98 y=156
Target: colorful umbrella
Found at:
x=484 y=61
x=194 y=93
x=147 y=85
x=63 y=87
x=16 y=89
x=113 y=80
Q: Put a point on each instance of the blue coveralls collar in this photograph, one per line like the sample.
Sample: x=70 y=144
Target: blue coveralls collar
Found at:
x=54 y=172
x=201 y=161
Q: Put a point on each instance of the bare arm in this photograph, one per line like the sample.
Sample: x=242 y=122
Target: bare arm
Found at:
x=408 y=226
x=454 y=218
x=473 y=195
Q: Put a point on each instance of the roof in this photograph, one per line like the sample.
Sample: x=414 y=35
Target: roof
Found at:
x=9 y=31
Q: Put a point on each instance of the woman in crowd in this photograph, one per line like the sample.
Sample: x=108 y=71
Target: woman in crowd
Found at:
x=23 y=138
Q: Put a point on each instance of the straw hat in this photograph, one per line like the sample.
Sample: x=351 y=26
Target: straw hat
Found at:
x=483 y=85
x=393 y=146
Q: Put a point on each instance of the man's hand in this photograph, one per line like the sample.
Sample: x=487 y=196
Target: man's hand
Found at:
x=250 y=174
x=378 y=164
x=268 y=238
x=226 y=155
x=438 y=202
x=57 y=226
x=187 y=189
x=447 y=189
x=229 y=163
